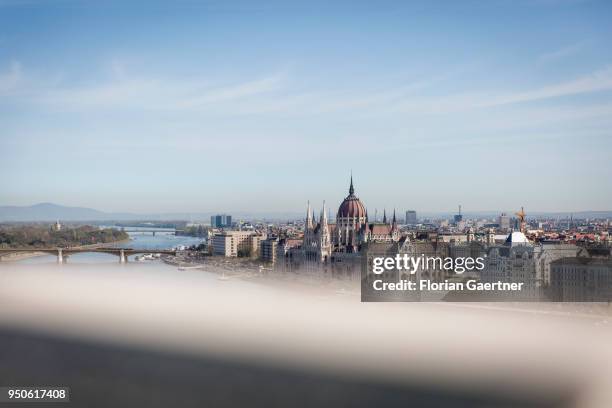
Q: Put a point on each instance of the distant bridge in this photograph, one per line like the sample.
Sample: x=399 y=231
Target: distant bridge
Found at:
x=62 y=253
x=151 y=231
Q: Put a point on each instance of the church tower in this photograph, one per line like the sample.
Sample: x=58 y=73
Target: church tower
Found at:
x=324 y=236
x=309 y=219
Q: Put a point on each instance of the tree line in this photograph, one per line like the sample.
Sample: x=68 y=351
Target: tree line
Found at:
x=37 y=236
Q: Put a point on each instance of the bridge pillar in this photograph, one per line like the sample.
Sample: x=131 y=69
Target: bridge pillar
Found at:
x=60 y=256
x=122 y=257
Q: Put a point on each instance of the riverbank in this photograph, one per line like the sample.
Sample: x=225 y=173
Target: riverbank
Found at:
x=228 y=267
x=19 y=256
x=253 y=271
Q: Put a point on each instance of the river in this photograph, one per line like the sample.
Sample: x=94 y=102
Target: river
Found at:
x=108 y=266
x=140 y=238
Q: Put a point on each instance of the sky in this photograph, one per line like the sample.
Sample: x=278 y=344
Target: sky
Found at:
x=261 y=106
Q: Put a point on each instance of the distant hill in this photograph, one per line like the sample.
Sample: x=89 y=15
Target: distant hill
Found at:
x=52 y=212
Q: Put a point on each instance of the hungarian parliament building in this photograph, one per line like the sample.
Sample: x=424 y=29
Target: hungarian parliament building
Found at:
x=327 y=243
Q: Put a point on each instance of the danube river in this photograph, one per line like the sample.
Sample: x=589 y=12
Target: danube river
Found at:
x=163 y=239
x=108 y=268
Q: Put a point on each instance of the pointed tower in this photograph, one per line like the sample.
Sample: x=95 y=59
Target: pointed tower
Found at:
x=365 y=233
x=384 y=216
x=309 y=218
x=394 y=222
x=323 y=218
x=325 y=239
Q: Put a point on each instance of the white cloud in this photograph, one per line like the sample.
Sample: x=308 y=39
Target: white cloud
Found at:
x=561 y=53
x=10 y=80
x=233 y=92
x=273 y=94
x=594 y=82
x=153 y=94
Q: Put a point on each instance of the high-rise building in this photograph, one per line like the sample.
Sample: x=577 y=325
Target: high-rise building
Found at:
x=411 y=217
x=504 y=222
x=221 y=221
x=458 y=217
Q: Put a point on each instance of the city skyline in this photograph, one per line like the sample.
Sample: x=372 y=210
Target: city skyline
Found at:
x=53 y=212
x=217 y=107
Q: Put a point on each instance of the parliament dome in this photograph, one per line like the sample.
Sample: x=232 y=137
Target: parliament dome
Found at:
x=351 y=207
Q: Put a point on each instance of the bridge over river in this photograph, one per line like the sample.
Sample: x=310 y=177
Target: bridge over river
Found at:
x=151 y=231
x=62 y=253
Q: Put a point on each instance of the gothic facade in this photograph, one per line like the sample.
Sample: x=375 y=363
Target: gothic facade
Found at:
x=325 y=241
x=317 y=245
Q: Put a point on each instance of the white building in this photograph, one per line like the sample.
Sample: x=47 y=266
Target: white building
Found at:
x=236 y=243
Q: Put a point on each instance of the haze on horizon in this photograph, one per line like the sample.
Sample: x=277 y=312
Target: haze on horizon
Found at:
x=232 y=106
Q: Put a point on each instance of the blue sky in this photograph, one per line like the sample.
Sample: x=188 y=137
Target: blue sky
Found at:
x=237 y=106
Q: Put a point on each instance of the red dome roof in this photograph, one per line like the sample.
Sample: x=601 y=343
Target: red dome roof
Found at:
x=352 y=206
